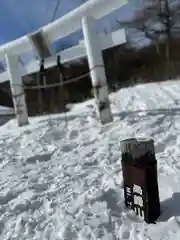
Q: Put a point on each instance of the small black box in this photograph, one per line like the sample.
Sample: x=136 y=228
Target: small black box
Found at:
x=139 y=167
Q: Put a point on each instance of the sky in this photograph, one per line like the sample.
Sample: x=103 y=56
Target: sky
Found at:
x=20 y=17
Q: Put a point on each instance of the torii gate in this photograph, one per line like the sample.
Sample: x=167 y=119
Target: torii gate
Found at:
x=82 y=17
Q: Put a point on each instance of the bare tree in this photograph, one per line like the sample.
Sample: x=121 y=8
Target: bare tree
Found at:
x=158 y=20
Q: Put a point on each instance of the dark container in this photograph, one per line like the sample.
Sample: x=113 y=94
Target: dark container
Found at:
x=139 y=167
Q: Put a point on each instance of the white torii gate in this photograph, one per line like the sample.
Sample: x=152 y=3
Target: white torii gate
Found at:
x=82 y=17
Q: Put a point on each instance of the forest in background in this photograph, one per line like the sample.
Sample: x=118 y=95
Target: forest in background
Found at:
x=151 y=54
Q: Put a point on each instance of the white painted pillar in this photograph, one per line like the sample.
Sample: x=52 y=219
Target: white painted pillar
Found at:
x=17 y=89
x=96 y=65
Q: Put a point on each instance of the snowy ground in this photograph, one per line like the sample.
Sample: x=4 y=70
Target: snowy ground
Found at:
x=6 y=111
x=6 y=114
x=66 y=183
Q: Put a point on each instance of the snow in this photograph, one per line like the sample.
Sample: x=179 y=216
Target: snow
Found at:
x=64 y=181
x=6 y=110
x=6 y=114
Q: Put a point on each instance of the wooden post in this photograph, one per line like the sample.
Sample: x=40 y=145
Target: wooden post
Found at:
x=96 y=65
x=139 y=168
x=17 y=89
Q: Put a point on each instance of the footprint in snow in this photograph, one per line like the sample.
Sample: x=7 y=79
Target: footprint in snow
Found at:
x=131 y=233
x=39 y=158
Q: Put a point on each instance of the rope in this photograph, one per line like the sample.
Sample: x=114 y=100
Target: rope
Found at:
x=58 y=84
x=18 y=95
x=75 y=79
x=61 y=83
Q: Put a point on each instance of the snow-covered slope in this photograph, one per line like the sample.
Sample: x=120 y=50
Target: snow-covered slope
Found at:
x=64 y=181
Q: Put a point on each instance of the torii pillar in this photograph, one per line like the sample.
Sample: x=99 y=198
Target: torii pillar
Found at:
x=17 y=89
x=97 y=69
